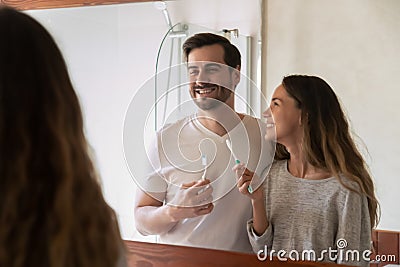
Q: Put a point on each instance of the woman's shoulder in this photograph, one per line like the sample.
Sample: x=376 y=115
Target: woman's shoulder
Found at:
x=348 y=185
x=279 y=164
x=278 y=168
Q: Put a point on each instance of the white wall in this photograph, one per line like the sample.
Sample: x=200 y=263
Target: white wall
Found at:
x=354 y=45
x=111 y=51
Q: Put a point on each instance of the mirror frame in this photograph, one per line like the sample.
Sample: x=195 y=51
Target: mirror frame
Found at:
x=49 y=4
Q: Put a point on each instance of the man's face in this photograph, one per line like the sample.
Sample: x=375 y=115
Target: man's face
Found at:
x=211 y=81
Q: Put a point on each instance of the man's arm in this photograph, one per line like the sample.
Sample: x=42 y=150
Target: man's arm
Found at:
x=191 y=200
x=151 y=216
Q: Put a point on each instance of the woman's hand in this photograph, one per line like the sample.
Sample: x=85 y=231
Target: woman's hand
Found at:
x=245 y=176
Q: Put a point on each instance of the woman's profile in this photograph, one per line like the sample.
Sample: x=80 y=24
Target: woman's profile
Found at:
x=318 y=195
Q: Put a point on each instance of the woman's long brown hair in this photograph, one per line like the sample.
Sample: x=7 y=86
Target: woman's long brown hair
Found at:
x=327 y=140
x=52 y=211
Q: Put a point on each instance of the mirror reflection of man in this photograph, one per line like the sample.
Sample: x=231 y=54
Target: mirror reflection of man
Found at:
x=177 y=203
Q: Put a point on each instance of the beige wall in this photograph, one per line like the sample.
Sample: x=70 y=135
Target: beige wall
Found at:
x=354 y=45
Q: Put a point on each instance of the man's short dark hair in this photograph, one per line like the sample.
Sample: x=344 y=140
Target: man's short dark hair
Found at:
x=231 y=53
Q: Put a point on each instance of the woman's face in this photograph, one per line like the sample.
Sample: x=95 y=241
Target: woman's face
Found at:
x=285 y=116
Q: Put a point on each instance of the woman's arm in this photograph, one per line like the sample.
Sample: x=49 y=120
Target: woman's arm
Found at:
x=257 y=227
x=354 y=227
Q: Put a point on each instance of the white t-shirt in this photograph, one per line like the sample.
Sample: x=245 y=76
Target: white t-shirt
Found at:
x=176 y=157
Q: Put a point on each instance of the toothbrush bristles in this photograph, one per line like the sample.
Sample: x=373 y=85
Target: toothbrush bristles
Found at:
x=204 y=160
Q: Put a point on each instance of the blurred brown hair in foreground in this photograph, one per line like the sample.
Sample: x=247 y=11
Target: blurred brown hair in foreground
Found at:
x=52 y=211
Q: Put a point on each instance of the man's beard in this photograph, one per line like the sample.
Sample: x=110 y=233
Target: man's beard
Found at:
x=208 y=103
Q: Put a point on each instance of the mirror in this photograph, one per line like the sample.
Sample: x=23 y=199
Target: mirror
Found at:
x=353 y=45
x=111 y=51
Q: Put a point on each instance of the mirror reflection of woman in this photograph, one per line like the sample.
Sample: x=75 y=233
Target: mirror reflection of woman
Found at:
x=52 y=211
x=318 y=193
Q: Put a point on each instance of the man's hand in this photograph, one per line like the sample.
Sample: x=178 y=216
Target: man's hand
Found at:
x=192 y=200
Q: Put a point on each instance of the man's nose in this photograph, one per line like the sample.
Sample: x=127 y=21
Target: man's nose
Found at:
x=202 y=78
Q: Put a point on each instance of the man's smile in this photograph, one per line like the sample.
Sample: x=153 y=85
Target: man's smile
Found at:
x=204 y=92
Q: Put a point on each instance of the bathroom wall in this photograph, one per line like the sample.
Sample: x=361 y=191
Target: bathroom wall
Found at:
x=354 y=45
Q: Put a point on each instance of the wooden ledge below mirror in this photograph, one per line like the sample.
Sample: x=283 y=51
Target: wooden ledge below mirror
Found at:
x=152 y=254
x=156 y=255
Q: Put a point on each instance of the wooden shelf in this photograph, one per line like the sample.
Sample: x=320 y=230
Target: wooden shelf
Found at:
x=47 y=4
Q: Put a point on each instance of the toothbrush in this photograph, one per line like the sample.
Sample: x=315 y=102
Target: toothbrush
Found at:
x=204 y=163
x=237 y=161
x=229 y=145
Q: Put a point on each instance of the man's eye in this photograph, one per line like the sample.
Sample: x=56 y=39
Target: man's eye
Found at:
x=193 y=72
x=212 y=70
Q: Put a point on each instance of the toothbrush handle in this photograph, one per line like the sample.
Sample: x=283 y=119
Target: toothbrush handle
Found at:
x=203 y=177
x=249 y=188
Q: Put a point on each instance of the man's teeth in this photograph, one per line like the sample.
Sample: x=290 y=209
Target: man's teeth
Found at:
x=204 y=91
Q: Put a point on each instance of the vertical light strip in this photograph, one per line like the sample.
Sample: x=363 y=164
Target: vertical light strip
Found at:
x=264 y=46
x=249 y=72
